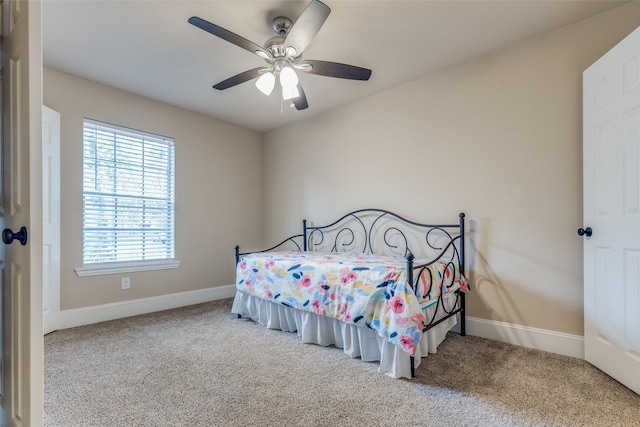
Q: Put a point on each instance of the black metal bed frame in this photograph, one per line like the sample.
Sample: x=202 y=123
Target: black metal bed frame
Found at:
x=360 y=230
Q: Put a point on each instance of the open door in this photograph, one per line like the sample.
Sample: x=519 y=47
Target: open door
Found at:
x=611 y=169
x=21 y=214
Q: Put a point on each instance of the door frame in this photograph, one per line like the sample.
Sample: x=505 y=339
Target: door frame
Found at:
x=51 y=219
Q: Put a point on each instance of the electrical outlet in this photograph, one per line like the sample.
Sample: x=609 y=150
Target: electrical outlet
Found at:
x=125 y=283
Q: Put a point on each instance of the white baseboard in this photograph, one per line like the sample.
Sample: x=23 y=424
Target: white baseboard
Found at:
x=101 y=313
x=539 y=339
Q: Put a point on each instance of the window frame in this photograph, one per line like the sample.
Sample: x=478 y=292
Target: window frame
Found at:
x=135 y=265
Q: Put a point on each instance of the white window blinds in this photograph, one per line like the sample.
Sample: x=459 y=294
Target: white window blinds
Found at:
x=128 y=195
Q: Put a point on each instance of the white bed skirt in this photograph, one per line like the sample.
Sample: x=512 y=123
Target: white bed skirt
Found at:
x=355 y=341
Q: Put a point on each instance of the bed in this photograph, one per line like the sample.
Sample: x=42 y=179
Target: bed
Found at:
x=373 y=283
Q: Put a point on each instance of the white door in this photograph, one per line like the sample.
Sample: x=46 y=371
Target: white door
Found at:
x=22 y=363
x=51 y=219
x=612 y=212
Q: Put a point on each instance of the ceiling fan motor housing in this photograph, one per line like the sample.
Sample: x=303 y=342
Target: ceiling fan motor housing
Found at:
x=275 y=45
x=282 y=25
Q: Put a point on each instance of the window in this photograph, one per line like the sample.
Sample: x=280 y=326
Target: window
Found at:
x=128 y=200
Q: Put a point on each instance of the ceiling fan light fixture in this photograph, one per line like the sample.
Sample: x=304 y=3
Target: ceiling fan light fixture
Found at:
x=288 y=78
x=265 y=83
x=290 y=92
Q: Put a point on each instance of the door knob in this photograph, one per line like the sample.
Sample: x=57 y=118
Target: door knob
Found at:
x=9 y=236
x=585 y=231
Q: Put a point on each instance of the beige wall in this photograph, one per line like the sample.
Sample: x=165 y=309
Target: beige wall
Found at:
x=213 y=186
x=499 y=138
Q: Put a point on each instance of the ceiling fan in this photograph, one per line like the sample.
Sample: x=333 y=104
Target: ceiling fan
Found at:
x=283 y=54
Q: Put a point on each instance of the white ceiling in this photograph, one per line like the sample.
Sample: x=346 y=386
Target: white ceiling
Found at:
x=148 y=48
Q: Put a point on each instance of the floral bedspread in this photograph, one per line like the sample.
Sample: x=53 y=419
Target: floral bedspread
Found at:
x=435 y=279
x=357 y=289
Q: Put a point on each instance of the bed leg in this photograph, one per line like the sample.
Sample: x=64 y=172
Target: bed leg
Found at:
x=463 y=315
x=413 y=369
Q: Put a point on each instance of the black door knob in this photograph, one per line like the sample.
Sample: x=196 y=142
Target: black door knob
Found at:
x=585 y=231
x=9 y=236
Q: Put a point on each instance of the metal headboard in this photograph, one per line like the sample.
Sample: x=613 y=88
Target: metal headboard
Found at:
x=363 y=230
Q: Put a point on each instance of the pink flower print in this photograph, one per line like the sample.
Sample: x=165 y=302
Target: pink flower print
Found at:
x=269 y=294
x=397 y=305
x=464 y=286
x=243 y=265
x=407 y=343
x=419 y=317
x=448 y=279
x=269 y=263
x=347 y=277
x=305 y=280
x=342 y=309
x=320 y=310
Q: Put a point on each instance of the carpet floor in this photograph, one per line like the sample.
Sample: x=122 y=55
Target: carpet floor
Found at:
x=199 y=366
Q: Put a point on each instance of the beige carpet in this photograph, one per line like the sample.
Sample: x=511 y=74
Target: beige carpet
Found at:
x=199 y=366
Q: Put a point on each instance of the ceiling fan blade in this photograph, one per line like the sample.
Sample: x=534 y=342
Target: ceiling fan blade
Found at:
x=336 y=69
x=229 y=36
x=239 y=78
x=307 y=26
x=301 y=101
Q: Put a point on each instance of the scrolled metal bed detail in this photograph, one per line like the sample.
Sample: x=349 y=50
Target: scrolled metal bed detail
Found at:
x=339 y=257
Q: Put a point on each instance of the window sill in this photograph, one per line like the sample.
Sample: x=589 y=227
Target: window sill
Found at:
x=126 y=267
